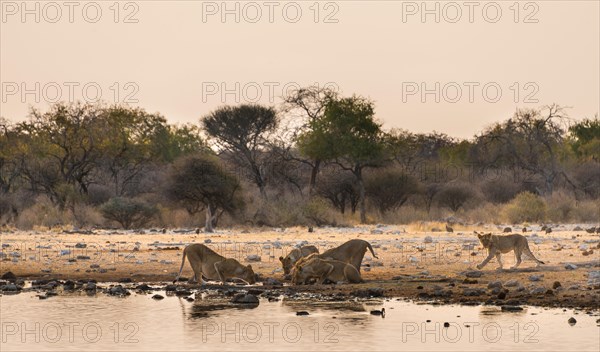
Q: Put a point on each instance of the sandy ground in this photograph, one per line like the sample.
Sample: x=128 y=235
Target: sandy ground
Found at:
x=413 y=262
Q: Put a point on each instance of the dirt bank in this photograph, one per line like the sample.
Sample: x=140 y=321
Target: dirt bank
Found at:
x=412 y=263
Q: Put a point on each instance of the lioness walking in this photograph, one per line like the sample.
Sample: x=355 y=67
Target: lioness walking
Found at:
x=496 y=245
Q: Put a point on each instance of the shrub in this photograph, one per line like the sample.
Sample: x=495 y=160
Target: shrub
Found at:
x=316 y=211
x=389 y=189
x=560 y=206
x=41 y=213
x=128 y=212
x=525 y=206
x=86 y=215
x=501 y=190
x=455 y=195
x=587 y=211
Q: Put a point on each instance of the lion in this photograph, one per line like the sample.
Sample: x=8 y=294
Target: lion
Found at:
x=351 y=252
x=208 y=264
x=497 y=245
x=324 y=269
x=295 y=254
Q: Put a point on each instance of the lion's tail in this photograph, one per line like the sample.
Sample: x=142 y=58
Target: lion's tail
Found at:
x=530 y=253
x=182 y=263
x=371 y=249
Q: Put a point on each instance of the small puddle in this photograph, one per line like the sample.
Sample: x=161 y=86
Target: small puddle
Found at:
x=75 y=322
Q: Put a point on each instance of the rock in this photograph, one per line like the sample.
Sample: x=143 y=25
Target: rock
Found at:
x=376 y=263
x=253 y=258
x=301 y=313
x=83 y=257
x=538 y=291
x=508 y=308
x=376 y=232
x=428 y=239
x=118 y=291
x=536 y=277
x=166 y=262
x=556 y=285
x=143 y=287
x=102 y=271
x=80 y=245
x=90 y=286
x=572 y=321
x=507 y=229
x=182 y=293
x=470 y=292
x=169 y=288
x=511 y=283
x=273 y=282
x=474 y=273
x=125 y=280
x=495 y=284
x=502 y=295
x=370 y=292
x=496 y=290
x=242 y=298
x=570 y=266
x=208 y=240
x=157 y=297
x=594 y=278
x=94 y=266
x=65 y=252
x=577 y=228
x=10 y=288
x=69 y=285
x=8 y=276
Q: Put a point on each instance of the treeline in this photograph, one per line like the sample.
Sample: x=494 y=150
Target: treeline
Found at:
x=317 y=158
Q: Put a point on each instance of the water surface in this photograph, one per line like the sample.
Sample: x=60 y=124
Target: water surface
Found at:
x=138 y=323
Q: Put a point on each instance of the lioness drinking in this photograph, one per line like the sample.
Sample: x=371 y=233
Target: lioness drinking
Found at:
x=295 y=255
x=313 y=267
x=206 y=263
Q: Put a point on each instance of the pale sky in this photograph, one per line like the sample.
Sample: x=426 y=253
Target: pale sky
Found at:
x=177 y=57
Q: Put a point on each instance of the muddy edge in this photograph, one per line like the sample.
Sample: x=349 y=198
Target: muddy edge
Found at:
x=443 y=271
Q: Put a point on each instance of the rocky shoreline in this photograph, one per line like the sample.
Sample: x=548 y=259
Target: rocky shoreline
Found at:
x=468 y=291
x=413 y=264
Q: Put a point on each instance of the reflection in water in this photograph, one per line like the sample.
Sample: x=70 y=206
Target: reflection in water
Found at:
x=204 y=309
x=139 y=323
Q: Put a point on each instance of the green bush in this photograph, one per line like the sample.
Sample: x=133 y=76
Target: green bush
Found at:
x=128 y=212
x=317 y=211
x=525 y=206
x=454 y=195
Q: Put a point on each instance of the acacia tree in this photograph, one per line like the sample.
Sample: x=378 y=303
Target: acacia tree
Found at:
x=242 y=132
x=531 y=140
x=200 y=182
x=339 y=188
x=349 y=136
x=305 y=106
x=139 y=139
x=389 y=189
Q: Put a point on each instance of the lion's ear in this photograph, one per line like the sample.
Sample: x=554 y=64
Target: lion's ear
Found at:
x=249 y=266
x=479 y=236
x=281 y=259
